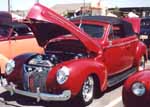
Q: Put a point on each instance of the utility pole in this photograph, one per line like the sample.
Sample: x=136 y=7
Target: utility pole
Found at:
x=37 y=1
x=9 y=6
x=83 y=8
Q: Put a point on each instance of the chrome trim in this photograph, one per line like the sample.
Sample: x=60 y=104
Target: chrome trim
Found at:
x=122 y=44
x=27 y=74
x=66 y=95
x=35 y=67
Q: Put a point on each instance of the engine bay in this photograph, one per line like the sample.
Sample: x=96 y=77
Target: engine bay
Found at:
x=58 y=52
x=38 y=66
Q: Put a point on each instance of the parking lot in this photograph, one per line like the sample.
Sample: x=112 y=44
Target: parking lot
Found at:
x=111 y=98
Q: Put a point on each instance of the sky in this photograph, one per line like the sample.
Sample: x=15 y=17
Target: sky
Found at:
x=27 y=4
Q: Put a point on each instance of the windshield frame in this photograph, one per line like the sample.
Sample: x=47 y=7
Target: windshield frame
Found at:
x=96 y=23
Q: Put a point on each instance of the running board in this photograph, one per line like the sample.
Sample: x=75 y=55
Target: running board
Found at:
x=113 y=80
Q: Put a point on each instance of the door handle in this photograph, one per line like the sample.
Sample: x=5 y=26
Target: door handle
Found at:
x=128 y=47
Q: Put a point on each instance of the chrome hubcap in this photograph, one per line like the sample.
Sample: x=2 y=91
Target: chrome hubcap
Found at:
x=88 y=88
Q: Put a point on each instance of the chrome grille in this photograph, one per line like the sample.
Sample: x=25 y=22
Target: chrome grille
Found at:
x=35 y=77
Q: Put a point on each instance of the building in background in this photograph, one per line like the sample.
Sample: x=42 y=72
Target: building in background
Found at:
x=63 y=8
x=96 y=7
x=120 y=8
x=124 y=7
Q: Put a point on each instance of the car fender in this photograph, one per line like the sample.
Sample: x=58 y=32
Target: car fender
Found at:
x=140 y=51
x=16 y=75
x=131 y=100
x=79 y=71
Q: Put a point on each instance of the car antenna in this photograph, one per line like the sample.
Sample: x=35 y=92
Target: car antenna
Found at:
x=81 y=19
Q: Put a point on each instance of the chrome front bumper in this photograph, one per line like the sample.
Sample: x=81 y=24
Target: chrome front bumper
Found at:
x=66 y=95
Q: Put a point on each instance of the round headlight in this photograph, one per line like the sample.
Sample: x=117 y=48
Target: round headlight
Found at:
x=62 y=75
x=10 y=66
x=138 y=89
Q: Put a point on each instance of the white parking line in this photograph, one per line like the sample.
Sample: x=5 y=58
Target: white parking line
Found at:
x=114 y=102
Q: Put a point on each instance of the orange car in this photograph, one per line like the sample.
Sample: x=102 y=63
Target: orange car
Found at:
x=15 y=38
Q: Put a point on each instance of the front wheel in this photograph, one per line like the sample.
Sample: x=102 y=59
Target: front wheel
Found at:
x=86 y=94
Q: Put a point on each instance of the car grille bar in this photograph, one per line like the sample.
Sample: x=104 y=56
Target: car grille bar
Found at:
x=33 y=78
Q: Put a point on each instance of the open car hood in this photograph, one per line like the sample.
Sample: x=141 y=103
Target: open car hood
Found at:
x=46 y=25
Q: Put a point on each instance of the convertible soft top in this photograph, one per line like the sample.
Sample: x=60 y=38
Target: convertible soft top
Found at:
x=106 y=19
x=127 y=26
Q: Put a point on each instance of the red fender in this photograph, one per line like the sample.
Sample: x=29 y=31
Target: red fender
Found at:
x=79 y=71
x=17 y=72
x=140 y=51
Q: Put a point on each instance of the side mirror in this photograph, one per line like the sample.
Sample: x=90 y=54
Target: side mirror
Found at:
x=14 y=33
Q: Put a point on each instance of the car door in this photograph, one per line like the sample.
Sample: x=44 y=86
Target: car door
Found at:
x=115 y=52
x=5 y=48
x=130 y=43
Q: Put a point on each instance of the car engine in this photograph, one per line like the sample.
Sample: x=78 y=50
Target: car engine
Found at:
x=38 y=66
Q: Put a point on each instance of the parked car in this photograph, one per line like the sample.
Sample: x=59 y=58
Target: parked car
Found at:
x=15 y=38
x=5 y=17
x=145 y=32
x=80 y=59
x=136 y=90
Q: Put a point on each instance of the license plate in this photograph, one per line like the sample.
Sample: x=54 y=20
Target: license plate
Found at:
x=143 y=37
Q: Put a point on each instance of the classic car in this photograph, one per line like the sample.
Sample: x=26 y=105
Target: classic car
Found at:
x=15 y=38
x=145 y=32
x=5 y=17
x=83 y=57
x=136 y=90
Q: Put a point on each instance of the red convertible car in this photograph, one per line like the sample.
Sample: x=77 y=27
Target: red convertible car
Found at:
x=136 y=90
x=83 y=57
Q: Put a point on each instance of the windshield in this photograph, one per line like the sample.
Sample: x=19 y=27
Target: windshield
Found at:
x=21 y=28
x=95 y=31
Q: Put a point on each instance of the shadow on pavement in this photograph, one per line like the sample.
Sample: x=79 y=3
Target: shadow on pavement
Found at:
x=115 y=86
x=20 y=101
